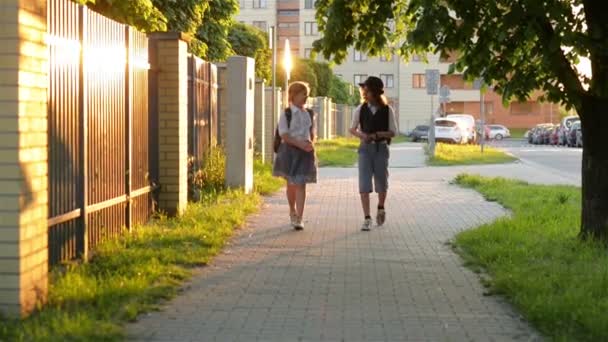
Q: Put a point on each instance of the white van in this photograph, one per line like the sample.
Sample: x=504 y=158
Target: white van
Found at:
x=449 y=130
x=467 y=122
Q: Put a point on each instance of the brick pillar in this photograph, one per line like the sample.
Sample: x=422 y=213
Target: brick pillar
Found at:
x=239 y=123
x=260 y=119
x=23 y=157
x=171 y=59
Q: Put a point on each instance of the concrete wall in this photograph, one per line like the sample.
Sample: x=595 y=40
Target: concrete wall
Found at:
x=239 y=123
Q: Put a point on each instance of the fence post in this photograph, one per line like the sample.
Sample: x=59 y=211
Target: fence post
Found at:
x=24 y=156
x=239 y=123
x=260 y=119
x=171 y=68
x=222 y=102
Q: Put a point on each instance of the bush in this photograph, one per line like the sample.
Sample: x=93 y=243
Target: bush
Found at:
x=211 y=176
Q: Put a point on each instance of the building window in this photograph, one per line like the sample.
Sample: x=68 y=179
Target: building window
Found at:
x=259 y=3
x=261 y=25
x=416 y=58
x=388 y=80
x=307 y=52
x=311 y=28
x=309 y=4
x=242 y=3
x=384 y=58
x=288 y=13
x=359 y=78
x=418 y=81
x=289 y=25
x=360 y=56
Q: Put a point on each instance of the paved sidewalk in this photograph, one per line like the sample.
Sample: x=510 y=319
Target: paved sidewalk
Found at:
x=333 y=282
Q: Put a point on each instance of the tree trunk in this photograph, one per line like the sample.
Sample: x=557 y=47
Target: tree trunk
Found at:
x=594 y=219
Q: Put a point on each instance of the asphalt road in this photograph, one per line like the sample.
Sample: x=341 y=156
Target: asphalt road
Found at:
x=564 y=161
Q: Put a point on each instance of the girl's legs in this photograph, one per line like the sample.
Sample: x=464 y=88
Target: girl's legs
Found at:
x=300 y=200
x=291 y=198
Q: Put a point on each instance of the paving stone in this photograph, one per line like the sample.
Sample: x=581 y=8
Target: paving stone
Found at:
x=334 y=282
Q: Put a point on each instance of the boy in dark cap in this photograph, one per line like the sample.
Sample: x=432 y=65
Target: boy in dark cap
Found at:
x=374 y=124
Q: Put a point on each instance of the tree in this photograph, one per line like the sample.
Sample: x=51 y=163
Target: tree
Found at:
x=207 y=22
x=213 y=33
x=302 y=71
x=517 y=46
x=250 y=41
x=343 y=92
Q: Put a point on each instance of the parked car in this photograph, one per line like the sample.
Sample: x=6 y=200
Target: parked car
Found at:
x=486 y=130
x=499 y=132
x=562 y=136
x=569 y=120
x=554 y=135
x=419 y=133
x=548 y=134
x=536 y=133
x=450 y=130
x=579 y=137
x=572 y=134
x=467 y=124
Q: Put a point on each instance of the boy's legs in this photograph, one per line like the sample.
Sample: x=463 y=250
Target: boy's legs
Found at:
x=366 y=170
x=381 y=180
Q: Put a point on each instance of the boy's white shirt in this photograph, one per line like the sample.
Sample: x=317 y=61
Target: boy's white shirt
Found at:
x=392 y=124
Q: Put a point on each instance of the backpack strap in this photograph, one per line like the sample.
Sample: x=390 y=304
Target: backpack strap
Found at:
x=288 y=116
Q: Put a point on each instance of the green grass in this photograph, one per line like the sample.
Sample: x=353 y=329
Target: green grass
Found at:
x=450 y=155
x=342 y=152
x=518 y=133
x=401 y=139
x=132 y=274
x=535 y=259
x=263 y=181
x=339 y=152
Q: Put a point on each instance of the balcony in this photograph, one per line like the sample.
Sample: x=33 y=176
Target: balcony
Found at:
x=288 y=4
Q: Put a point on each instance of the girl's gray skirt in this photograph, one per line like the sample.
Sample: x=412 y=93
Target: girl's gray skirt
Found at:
x=296 y=166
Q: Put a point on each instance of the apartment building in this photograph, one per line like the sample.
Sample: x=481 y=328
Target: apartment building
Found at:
x=404 y=81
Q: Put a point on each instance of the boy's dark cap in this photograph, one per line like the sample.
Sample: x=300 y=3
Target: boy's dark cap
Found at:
x=373 y=83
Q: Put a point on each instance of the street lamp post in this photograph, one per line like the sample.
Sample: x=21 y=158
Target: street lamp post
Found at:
x=287 y=65
x=272 y=36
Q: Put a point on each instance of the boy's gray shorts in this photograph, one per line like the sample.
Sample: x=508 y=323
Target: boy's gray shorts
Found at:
x=373 y=163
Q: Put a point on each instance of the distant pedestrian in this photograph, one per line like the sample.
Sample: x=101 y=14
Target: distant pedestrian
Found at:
x=294 y=145
x=374 y=124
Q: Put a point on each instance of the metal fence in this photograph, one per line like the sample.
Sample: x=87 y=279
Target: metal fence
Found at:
x=202 y=108
x=99 y=153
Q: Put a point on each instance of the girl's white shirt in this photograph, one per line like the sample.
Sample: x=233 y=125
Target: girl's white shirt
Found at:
x=299 y=127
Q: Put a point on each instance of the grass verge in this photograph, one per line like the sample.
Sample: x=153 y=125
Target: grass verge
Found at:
x=338 y=152
x=342 y=152
x=450 y=155
x=518 y=133
x=535 y=259
x=131 y=274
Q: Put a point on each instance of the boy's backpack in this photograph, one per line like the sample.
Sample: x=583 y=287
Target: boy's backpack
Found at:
x=277 y=137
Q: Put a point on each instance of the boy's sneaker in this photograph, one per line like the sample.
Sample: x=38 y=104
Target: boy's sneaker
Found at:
x=380 y=217
x=367 y=225
x=298 y=225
